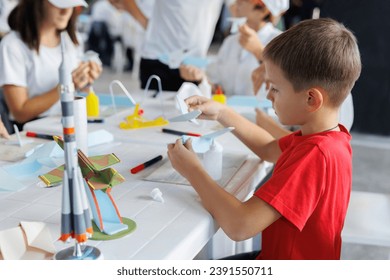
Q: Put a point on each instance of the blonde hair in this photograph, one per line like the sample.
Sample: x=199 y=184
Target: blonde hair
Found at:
x=318 y=53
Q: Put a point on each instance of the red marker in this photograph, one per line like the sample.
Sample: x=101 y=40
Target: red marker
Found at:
x=180 y=133
x=38 y=135
x=146 y=164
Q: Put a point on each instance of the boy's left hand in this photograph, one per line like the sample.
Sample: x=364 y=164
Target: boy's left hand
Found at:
x=183 y=158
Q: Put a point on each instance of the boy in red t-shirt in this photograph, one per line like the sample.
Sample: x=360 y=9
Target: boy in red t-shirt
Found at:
x=300 y=211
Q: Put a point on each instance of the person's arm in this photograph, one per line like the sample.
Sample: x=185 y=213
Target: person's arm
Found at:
x=3 y=130
x=254 y=137
x=24 y=108
x=239 y=220
x=132 y=7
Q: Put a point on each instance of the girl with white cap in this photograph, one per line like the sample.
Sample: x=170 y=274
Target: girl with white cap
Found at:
x=239 y=53
x=30 y=56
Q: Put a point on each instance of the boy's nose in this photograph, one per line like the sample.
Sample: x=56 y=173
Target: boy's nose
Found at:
x=270 y=95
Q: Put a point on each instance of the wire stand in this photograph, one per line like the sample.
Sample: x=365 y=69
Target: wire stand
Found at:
x=159 y=91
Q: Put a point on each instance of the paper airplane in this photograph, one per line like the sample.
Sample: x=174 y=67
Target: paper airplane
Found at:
x=185 y=91
x=202 y=144
x=190 y=116
x=93 y=169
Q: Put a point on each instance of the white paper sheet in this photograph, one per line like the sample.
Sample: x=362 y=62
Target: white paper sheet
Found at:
x=167 y=174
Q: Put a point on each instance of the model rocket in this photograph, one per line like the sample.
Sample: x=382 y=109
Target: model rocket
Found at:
x=75 y=216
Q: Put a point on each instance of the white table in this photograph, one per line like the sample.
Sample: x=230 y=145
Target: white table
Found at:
x=176 y=229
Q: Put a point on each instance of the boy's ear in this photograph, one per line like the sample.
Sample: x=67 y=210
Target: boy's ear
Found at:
x=314 y=99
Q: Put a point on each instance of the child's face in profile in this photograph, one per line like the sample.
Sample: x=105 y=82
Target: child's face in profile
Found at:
x=57 y=17
x=290 y=106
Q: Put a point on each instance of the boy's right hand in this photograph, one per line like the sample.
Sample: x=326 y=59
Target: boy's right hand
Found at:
x=211 y=110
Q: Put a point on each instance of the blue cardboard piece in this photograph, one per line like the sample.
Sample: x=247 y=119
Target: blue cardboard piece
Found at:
x=200 y=145
x=248 y=101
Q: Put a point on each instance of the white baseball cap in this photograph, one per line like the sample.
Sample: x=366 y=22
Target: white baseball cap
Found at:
x=276 y=7
x=63 y=4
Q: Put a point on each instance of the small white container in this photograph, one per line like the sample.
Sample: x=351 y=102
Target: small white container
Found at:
x=212 y=160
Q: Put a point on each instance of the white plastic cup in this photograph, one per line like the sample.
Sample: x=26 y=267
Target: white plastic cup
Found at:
x=212 y=160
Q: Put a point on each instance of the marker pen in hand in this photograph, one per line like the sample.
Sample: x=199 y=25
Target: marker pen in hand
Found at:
x=146 y=164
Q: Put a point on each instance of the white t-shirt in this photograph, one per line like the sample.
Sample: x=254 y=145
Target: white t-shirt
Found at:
x=181 y=25
x=21 y=66
x=133 y=34
x=234 y=65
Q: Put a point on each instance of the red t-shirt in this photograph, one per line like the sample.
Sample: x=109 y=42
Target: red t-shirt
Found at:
x=310 y=188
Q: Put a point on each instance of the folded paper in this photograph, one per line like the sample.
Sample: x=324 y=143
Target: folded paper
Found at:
x=236 y=23
x=28 y=241
x=186 y=90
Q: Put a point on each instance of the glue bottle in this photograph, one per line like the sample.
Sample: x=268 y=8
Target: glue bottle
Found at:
x=219 y=96
x=92 y=104
x=212 y=160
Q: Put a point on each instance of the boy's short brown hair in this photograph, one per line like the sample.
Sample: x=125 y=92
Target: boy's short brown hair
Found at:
x=318 y=52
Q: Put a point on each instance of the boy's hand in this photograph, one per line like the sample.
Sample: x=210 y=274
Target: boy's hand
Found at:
x=210 y=109
x=183 y=158
x=191 y=73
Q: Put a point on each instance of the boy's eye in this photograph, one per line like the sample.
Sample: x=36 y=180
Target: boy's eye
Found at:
x=272 y=89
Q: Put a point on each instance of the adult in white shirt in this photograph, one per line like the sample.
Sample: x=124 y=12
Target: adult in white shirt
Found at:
x=237 y=58
x=133 y=33
x=6 y=6
x=30 y=56
x=175 y=25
